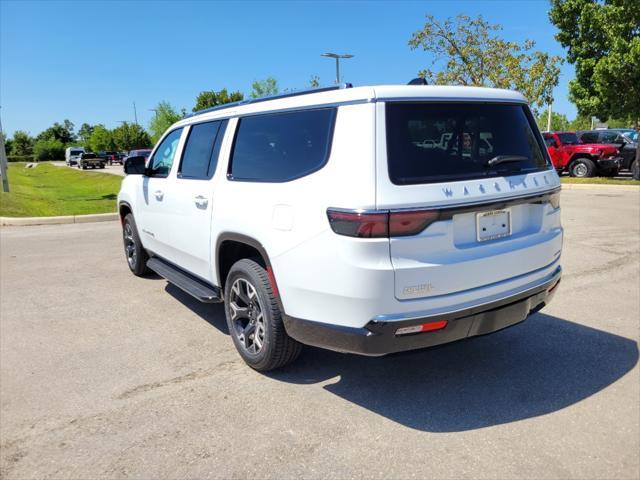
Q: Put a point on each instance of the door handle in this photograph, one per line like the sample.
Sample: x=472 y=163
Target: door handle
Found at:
x=201 y=202
x=159 y=194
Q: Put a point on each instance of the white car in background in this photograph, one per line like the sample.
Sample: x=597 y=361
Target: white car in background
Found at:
x=317 y=219
x=72 y=155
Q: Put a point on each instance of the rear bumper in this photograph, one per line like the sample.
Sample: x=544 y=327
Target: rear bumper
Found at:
x=610 y=163
x=379 y=338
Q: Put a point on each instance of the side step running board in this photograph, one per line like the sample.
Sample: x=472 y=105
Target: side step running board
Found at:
x=193 y=286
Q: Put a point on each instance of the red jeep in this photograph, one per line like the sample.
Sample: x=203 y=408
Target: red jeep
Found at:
x=581 y=159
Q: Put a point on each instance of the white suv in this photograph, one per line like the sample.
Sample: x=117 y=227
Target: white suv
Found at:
x=367 y=220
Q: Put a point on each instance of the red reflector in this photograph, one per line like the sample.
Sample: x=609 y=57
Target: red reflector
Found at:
x=425 y=327
x=430 y=327
x=402 y=224
x=358 y=224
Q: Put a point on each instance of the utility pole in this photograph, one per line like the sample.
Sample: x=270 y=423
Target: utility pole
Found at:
x=3 y=162
x=549 y=119
x=337 y=57
x=135 y=113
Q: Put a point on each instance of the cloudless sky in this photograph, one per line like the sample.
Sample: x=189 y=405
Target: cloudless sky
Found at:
x=88 y=61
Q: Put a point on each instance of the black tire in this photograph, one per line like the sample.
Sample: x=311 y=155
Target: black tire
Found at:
x=102 y=165
x=84 y=166
x=277 y=349
x=582 y=168
x=635 y=170
x=134 y=252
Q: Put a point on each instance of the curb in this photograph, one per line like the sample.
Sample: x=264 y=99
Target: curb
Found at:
x=598 y=186
x=28 y=221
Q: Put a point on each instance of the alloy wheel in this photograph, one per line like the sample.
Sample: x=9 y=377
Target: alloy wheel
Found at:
x=130 y=245
x=247 y=316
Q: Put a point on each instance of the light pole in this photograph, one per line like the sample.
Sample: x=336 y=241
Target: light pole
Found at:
x=337 y=57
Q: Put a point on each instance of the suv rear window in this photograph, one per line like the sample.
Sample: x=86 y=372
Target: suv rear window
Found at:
x=279 y=147
x=439 y=142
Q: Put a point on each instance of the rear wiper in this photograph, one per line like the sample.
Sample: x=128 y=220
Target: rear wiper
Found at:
x=506 y=159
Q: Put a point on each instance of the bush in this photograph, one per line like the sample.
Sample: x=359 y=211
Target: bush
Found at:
x=19 y=158
x=49 y=149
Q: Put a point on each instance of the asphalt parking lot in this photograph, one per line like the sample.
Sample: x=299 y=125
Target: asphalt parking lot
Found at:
x=116 y=169
x=105 y=375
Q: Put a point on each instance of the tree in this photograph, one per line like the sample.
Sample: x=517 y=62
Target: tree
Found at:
x=559 y=122
x=603 y=42
x=84 y=133
x=211 y=98
x=264 y=88
x=165 y=116
x=467 y=51
x=581 y=122
x=21 y=144
x=61 y=132
x=48 y=149
x=314 y=81
x=101 y=139
x=8 y=143
x=130 y=136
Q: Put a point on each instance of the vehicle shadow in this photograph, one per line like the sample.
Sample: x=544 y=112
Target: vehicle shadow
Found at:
x=532 y=369
x=212 y=313
x=538 y=367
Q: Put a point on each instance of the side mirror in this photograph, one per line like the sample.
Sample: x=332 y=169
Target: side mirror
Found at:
x=134 y=166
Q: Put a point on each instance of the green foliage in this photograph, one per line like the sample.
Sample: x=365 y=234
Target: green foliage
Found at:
x=314 y=81
x=48 y=149
x=19 y=158
x=559 y=122
x=50 y=190
x=101 y=139
x=264 y=88
x=581 y=122
x=165 y=116
x=467 y=51
x=84 y=133
x=8 y=143
x=211 y=98
x=603 y=42
x=21 y=144
x=61 y=132
x=130 y=136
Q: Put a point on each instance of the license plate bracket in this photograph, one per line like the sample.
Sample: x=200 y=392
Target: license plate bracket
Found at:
x=493 y=224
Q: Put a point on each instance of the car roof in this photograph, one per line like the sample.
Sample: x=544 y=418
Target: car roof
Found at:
x=341 y=95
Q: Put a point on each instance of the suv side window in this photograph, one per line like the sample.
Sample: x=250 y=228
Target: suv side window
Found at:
x=549 y=141
x=589 y=137
x=609 y=137
x=162 y=160
x=279 y=147
x=200 y=155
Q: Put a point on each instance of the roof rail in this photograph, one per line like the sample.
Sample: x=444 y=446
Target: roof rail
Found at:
x=271 y=97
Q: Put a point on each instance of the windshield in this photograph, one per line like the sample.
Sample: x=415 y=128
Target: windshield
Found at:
x=437 y=142
x=76 y=152
x=569 y=138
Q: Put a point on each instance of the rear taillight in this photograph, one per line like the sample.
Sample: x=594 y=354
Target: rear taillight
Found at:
x=554 y=200
x=359 y=224
x=380 y=224
x=402 y=224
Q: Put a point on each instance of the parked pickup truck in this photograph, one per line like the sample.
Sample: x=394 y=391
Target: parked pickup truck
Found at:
x=581 y=159
x=87 y=160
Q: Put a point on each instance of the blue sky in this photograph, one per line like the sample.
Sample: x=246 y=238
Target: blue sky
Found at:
x=88 y=61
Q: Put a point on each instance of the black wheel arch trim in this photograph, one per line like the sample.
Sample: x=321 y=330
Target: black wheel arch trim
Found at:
x=250 y=241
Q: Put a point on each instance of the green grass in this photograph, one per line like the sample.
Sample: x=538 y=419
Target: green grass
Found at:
x=48 y=190
x=601 y=181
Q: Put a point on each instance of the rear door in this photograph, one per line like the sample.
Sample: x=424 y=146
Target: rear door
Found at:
x=462 y=218
x=191 y=196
